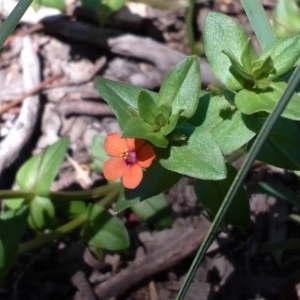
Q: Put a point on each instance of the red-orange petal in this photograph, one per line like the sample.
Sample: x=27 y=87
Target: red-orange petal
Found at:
x=114 y=144
x=145 y=156
x=114 y=168
x=132 y=176
x=135 y=144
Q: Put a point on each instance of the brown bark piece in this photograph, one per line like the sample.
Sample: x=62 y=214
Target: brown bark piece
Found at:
x=174 y=251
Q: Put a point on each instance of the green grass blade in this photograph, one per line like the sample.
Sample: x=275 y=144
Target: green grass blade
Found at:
x=238 y=181
x=189 y=25
x=259 y=21
x=13 y=19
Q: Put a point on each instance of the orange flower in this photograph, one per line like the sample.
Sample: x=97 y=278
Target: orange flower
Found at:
x=129 y=157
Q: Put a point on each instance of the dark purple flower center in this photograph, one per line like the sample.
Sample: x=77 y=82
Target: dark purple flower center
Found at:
x=129 y=157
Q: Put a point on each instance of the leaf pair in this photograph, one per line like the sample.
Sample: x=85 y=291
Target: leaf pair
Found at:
x=233 y=58
x=257 y=79
x=151 y=116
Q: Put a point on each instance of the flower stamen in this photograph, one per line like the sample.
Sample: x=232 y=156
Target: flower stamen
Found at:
x=131 y=158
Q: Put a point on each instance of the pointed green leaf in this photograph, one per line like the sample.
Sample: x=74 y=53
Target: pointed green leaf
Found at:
x=58 y=4
x=286 y=17
x=104 y=231
x=284 y=54
x=222 y=33
x=211 y=194
x=99 y=156
x=226 y=124
x=170 y=126
x=41 y=213
x=263 y=68
x=156 y=180
x=12 y=228
x=138 y=128
x=248 y=55
x=13 y=204
x=281 y=149
x=147 y=107
x=122 y=98
x=250 y=102
x=238 y=70
x=37 y=174
x=155 y=210
x=199 y=156
x=180 y=89
x=123 y=91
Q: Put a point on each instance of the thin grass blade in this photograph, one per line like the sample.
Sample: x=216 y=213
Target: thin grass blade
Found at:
x=238 y=181
x=259 y=21
x=13 y=19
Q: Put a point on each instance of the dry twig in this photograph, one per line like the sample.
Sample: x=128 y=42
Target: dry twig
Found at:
x=173 y=252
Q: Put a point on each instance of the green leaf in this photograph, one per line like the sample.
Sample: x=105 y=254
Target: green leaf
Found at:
x=12 y=228
x=13 y=204
x=104 y=231
x=199 y=156
x=147 y=107
x=119 y=107
x=250 y=102
x=284 y=54
x=211 y=194
x=226 y=124
x=222 y=33
x=41 y=213
x=98 y=154
x=37 y=174
x=281 y=149
x=248 y=55
x=76 y=208
x=122 y=98
x=153 y=183
x=103 y=8
x=263 y=68
x=238 y=70
x=170 y=125
x=154 y=210
x=58 y=4
x=180 y=89
x=138 y=128
x=286 y=18
x=127 y=93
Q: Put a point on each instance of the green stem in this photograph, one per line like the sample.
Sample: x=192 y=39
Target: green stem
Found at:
x=239 y=179
x=189 y=25
x=13 y=19
x=109 y=198
x=259 y=22
x=98 y=192
x=11 y=194
x=48 y=237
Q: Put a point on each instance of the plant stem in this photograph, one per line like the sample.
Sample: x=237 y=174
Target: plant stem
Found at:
x=13 y=19
x=238 y=180
x=189 y=25
x=48 y=237
x=109 y=198
x=259 y=22
x=11 y=194
x=98 y=192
